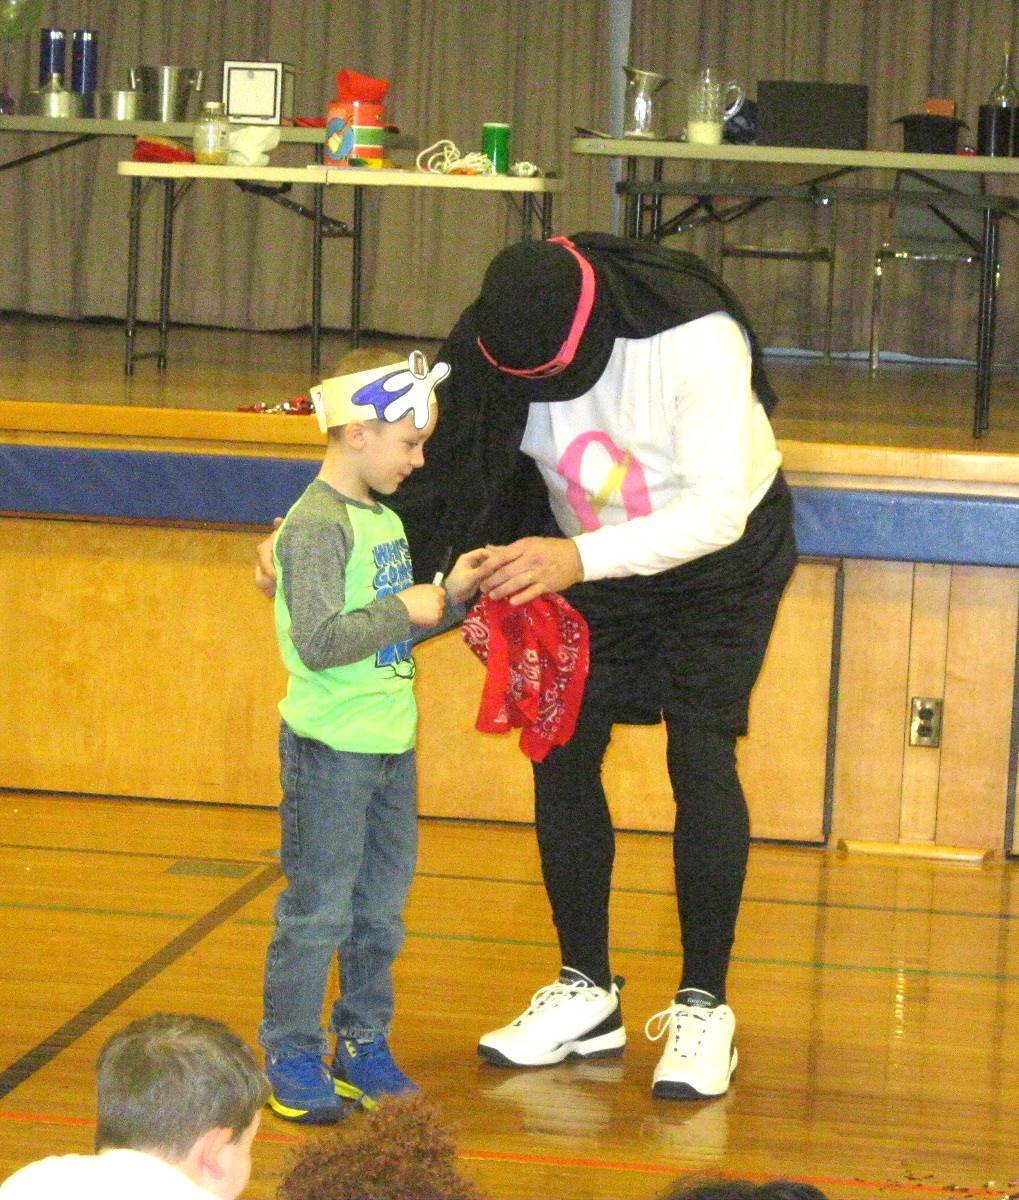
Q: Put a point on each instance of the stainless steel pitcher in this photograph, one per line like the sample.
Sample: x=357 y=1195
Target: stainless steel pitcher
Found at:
x=166 y=93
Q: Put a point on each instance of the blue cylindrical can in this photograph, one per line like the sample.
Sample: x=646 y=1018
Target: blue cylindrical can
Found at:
x=84 y=61
x=51 y=55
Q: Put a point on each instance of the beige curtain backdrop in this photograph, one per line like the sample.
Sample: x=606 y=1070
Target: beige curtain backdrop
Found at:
x=904 y=51
x=540 y=64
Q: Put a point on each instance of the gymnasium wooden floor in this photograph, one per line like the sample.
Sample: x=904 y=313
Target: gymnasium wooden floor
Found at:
x=877 y=1000
x=876 y=997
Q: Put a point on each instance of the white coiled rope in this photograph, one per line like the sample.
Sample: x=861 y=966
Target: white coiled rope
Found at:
x=444 y=157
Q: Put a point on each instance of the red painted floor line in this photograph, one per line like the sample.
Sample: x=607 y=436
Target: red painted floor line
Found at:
x=884 y=1187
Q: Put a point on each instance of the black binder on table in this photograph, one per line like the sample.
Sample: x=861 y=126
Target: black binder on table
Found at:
x=826 y=115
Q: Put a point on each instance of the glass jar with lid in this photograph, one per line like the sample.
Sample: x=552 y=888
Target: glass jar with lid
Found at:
x=212 y=133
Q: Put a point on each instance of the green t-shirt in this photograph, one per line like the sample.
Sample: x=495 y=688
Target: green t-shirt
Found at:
x=344 y=636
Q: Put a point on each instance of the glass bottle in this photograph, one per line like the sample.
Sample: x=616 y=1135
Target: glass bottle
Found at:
x=997 y=117
x=1004 y=93
x=212 y=133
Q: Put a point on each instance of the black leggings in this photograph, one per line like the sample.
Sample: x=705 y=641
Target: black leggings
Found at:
x=689 y=644
x=710 y=844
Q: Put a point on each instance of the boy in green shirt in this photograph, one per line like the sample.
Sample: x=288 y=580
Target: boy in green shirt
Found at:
x=347 y=613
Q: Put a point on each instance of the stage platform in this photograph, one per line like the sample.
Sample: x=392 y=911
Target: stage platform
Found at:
x=81 y=362
x=140 y=501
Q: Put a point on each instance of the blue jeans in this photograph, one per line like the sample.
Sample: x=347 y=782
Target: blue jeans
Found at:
x=349 y=847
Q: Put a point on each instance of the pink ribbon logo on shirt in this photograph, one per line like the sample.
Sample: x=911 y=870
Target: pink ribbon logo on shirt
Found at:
x=625 y=476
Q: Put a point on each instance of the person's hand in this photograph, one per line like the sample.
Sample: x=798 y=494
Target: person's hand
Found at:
x=463 y=580
x=425 y=603
x=265 y=568
x=529 y=567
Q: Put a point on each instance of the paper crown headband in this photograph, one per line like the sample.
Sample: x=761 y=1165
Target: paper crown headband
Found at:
x=381 y=394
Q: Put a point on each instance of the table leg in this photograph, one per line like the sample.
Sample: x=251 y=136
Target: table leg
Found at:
x=546 y=215
x=631 y=209
x=355 y=269
x=527 y=214
x=165 y=270
x=130 y=316
x=316 y=281
x=986 y=323
x=656 y=201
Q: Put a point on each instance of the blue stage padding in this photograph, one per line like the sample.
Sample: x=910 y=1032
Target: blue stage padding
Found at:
x=239 y=490
x=907 y=526
x=138 y=485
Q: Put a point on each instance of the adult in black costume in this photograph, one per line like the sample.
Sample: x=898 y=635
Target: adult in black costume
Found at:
x=675 y=545
x=678 y=633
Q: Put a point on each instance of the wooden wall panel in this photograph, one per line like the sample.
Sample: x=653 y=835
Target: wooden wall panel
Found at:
x=872 y=690
x=928 y=648
x=466 y=773
x=140 y=661
x=783 y=760
x=463 y=773
x=979 y=684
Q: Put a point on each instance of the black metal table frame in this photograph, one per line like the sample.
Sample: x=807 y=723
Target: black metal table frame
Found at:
x=643 y=219
x=529 y=210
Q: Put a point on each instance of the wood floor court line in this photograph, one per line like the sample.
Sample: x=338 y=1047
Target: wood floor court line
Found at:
x=643 y=951
x=512 y=1158
x=748 y=899
x=87 y=1018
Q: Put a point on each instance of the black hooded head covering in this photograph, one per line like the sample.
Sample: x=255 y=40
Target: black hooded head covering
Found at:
x=530 y=292
x=476 y=486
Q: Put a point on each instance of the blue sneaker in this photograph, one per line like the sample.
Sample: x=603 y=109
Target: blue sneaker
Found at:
x=304 y=1091
x=369 y=1066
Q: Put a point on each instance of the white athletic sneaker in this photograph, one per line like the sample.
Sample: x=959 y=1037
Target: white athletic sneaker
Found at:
x=699 y=1056
x=572 y=1016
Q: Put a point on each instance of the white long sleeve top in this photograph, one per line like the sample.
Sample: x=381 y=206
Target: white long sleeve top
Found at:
x=663 y=460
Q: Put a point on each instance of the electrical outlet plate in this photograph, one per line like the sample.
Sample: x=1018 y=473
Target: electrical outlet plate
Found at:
x=925 y=715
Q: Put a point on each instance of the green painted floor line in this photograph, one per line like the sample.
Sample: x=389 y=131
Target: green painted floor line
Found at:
x=749 y=960
x=157 y=854
x=749 y=899
x=82 y=910
x=85 y=910
x=643 y=952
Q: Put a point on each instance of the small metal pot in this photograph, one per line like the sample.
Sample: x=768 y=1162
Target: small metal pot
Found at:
x=53 y=100
x=121 y=105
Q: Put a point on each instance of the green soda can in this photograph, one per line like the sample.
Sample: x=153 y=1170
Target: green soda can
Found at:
x=495 y=139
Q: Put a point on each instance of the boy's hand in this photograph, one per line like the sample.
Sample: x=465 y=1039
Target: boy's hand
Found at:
x=465 y=577
x=528 y=568
x=424 y=602
x=265 y=568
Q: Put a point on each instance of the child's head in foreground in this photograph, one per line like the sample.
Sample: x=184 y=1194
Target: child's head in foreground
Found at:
x=398 y=1152
x=185 y=1089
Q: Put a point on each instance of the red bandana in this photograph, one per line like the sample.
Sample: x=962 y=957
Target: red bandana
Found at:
x=537 y=657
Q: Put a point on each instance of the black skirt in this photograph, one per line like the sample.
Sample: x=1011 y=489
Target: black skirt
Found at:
x=690 y=641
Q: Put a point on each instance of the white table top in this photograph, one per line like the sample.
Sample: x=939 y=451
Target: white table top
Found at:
x=341 y=176
x=894 y=160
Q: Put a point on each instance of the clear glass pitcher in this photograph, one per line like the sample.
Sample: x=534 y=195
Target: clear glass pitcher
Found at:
x=638 y=106
x=710 y=103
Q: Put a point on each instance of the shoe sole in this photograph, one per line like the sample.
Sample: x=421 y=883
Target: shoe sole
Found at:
x=307 y=1116
x=674 y=1089
x=607 y=1045
x=347 y=1091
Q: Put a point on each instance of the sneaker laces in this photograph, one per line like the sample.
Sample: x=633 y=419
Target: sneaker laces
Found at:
x=306 y=1070
x=685 y=1024
x=554 y=994
x=380 y=1062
